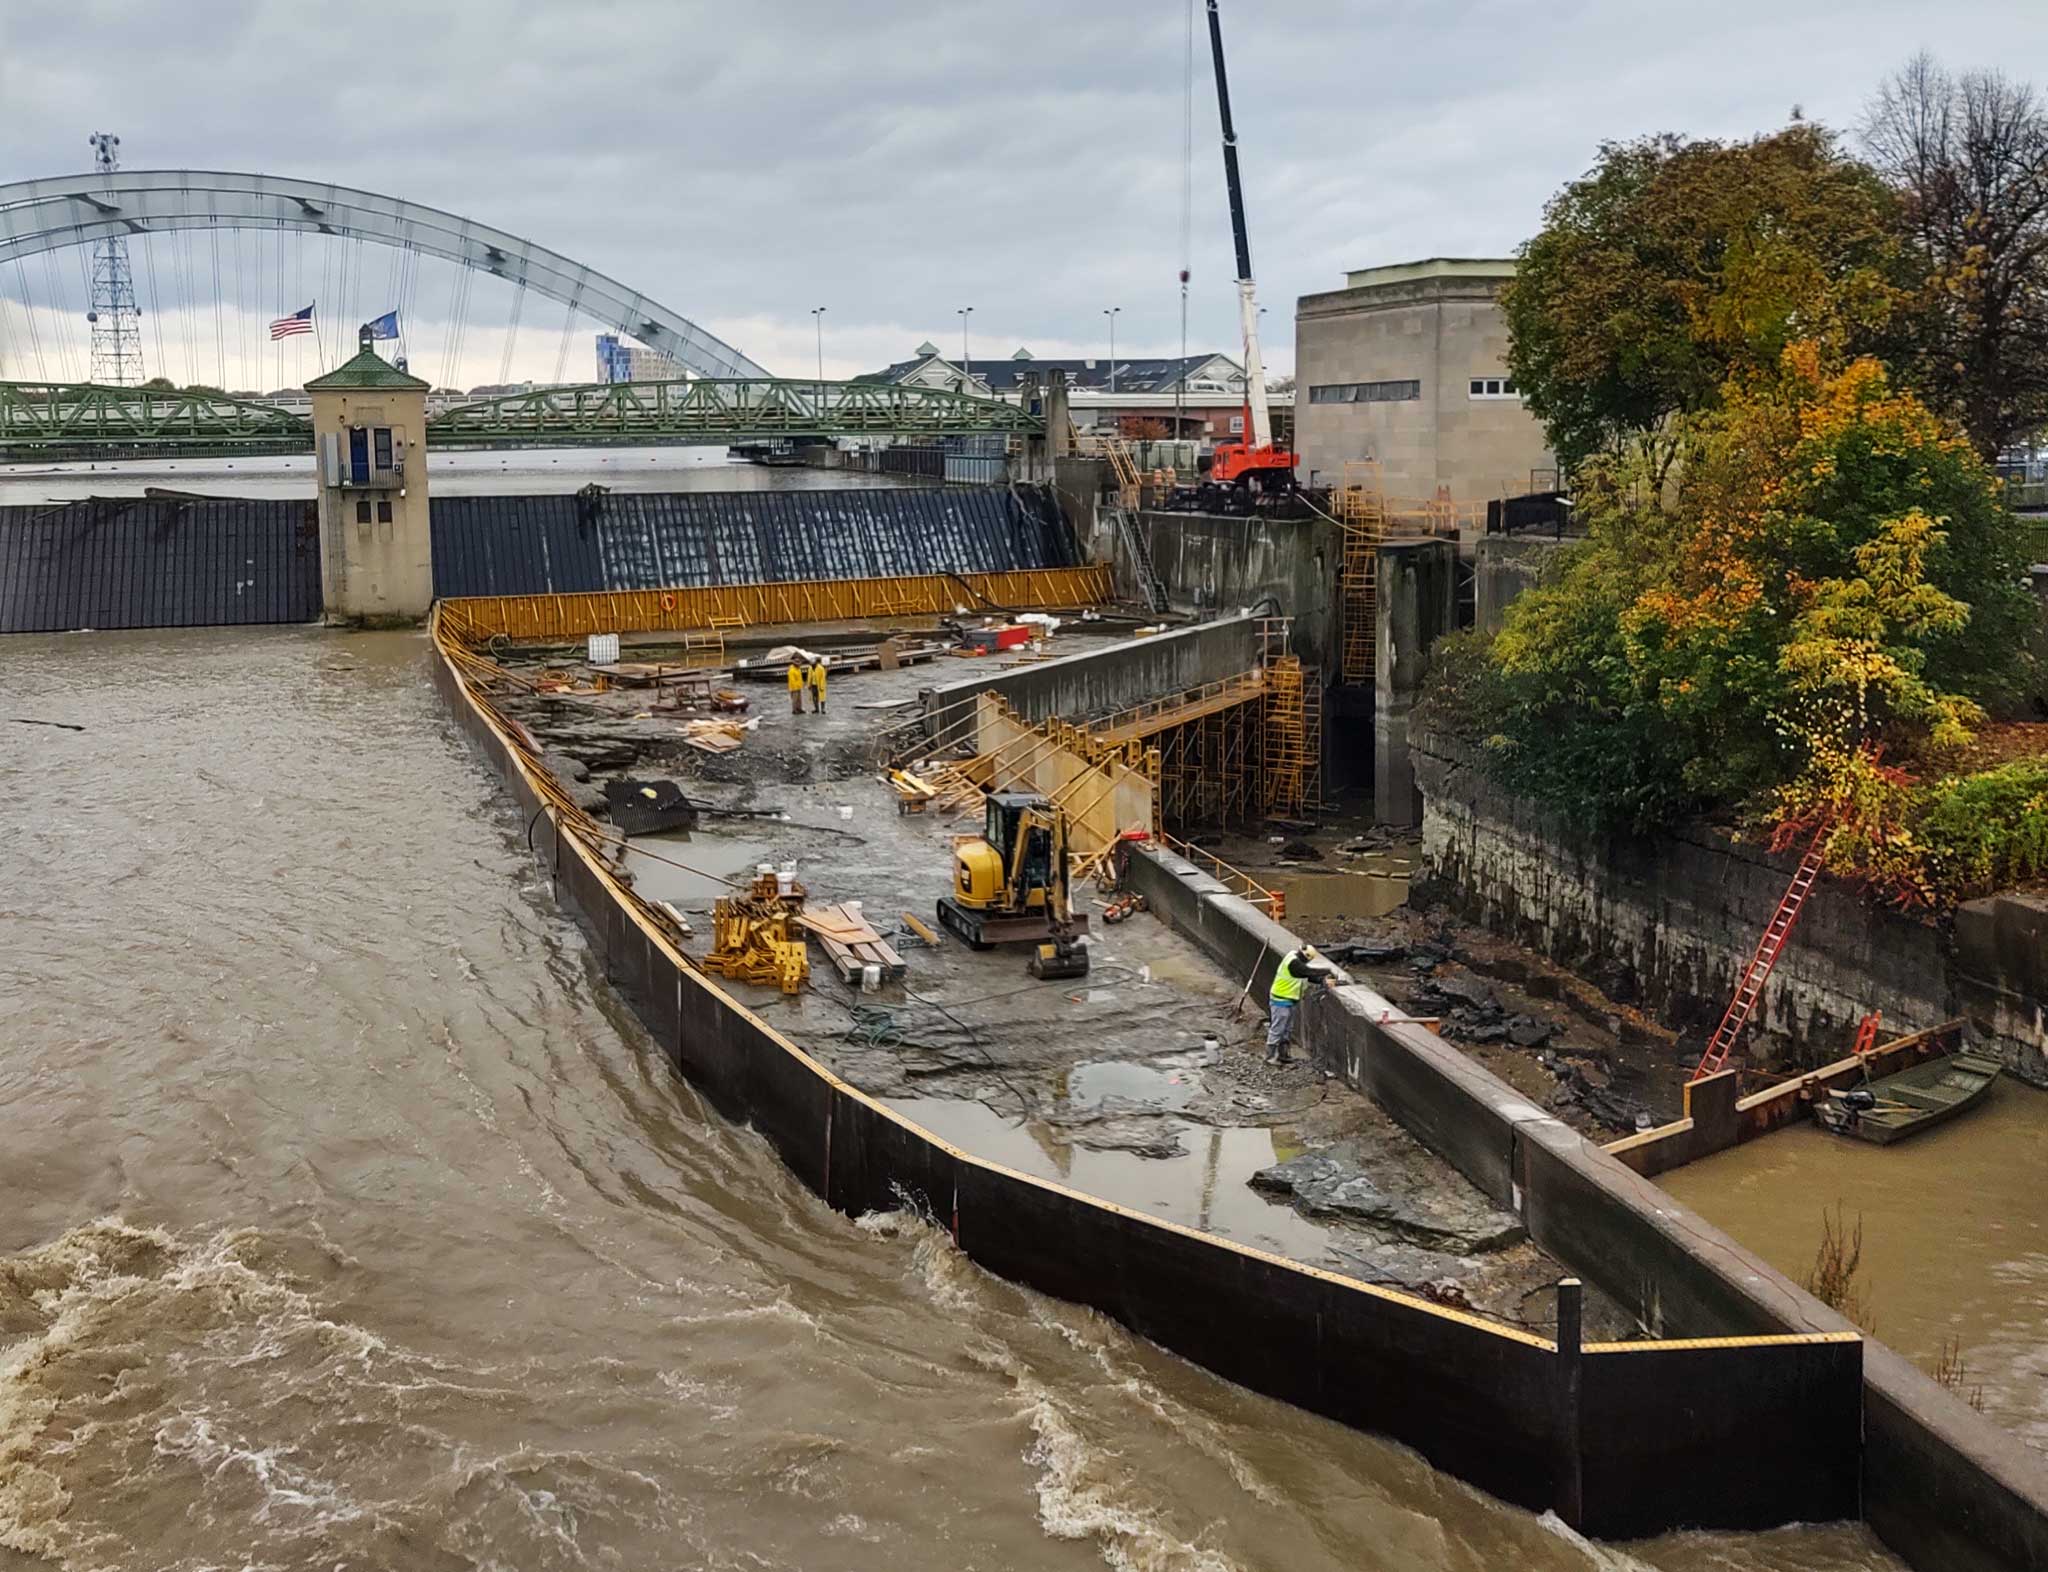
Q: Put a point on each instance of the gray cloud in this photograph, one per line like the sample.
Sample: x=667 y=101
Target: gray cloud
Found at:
x=893 y=161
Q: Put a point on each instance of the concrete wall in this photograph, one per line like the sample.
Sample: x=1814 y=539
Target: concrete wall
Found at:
x=1100 y=681
x=1943 y=1486
x=1440 y=331
x=1416 y=604
x=1671 y=922
x=1208 y=562
x=1502 y=567
x=1545 y=1426
x=1999 y=970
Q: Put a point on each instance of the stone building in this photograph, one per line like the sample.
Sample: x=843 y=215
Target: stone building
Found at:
x=1407 y=365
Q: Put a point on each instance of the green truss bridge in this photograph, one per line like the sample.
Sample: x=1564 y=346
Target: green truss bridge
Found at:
x=67 y=420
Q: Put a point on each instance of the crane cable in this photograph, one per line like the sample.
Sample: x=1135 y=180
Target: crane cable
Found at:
x=1187 y=217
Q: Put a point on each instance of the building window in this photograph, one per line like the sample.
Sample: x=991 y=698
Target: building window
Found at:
x=1365 y=392
x=1494 y=387
x=1237 y=425
x=362 y=510
x=383 y=510
x=381 y=435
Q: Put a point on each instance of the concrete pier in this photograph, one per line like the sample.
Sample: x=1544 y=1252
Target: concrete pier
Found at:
x=1418 y=586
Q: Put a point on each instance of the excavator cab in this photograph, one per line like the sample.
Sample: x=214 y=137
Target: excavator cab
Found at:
x=1010 y=885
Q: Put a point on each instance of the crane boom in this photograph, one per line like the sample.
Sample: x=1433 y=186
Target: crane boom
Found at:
x=1261 y=433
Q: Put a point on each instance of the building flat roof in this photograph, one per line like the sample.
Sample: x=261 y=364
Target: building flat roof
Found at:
x=1431 y=267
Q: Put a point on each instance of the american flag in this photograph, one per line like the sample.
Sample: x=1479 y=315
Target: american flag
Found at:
x=297 y=322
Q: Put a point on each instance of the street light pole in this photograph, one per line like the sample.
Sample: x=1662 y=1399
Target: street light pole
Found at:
x=1111 y=312
x=818 y=316
x=966 y=364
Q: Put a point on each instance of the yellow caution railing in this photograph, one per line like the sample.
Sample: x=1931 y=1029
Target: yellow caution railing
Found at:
x=733 y=605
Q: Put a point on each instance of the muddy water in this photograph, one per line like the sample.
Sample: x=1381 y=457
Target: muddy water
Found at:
x=1955 y=1235
x=347 y=1220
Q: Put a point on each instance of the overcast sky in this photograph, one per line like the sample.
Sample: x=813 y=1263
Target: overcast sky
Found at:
x=894 y=160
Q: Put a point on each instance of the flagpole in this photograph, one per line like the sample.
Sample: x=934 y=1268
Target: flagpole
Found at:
x=319 y=346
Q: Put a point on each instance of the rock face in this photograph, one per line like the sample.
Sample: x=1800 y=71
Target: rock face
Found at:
x=1331 y=1183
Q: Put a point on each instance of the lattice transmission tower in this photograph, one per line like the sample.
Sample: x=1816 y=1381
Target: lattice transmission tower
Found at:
x=116 y=323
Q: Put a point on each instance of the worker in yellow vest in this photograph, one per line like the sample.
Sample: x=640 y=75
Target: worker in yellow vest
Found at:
x=1290 y=983
x=818 y=682
x=796 y=686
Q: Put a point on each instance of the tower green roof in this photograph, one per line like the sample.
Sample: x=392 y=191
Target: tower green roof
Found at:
x=366 y=369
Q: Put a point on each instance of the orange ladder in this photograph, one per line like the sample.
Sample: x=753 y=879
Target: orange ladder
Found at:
x=1751 y=988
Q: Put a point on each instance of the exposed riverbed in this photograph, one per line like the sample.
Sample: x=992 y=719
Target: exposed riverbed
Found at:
x=349 y=1219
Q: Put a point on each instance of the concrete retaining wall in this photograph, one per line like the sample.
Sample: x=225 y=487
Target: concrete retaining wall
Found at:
x=1670 y=921
x=1209 y=562
x=1502 y=567
x=1507 y=1411
x=1942 y=1485
x=1097 y=682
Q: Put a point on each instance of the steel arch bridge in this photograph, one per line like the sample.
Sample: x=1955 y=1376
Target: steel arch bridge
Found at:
x=60 y=419
x=76 y=210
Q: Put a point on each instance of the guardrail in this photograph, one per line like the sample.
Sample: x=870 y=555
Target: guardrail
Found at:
x=824 y=600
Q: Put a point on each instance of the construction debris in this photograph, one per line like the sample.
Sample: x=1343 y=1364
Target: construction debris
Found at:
x=717 y=736
x=914 y=793
x=752 y=937
x=851 y=945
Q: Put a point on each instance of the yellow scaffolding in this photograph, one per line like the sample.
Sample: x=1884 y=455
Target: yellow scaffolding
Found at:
x=1294 y=727
x=1362 y=512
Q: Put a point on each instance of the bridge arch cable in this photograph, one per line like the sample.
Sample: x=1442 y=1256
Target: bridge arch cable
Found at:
x=220 y=343
x=86 y=207
x=512 y=333
x=156 y=315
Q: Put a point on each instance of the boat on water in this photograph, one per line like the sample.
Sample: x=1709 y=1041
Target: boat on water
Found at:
x=1895 y=1106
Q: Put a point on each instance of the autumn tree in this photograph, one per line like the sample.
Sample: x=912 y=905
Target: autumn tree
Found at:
x=1673 y=265
x=1837 y=573
x=1968 y=159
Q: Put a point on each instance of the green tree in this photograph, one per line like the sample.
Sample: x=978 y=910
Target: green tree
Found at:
x=1673 y=265
x=1837 y=572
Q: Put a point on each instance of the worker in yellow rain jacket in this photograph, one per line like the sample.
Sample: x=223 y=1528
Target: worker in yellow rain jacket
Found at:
x=1290 y=983
x=818 y=683
x=796 y=686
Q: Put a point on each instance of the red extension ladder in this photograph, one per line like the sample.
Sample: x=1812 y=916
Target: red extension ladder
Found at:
x=1751 y=988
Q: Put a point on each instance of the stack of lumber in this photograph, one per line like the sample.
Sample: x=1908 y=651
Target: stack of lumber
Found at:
x=850 y=944
x=716 y=736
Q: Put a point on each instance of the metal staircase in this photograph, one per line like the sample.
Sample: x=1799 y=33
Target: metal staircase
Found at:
x=1750 y=989
x=1150 y=589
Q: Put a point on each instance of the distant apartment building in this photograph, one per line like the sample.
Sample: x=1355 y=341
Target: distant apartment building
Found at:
x=1407 y=366
x=618 y=361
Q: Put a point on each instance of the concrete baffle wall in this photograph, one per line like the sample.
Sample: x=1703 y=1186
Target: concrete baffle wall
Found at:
x=1417 y=605
x=370 y=465
x=1101 y=681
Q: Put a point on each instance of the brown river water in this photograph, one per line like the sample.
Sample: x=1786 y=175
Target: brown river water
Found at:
x=347 y=1220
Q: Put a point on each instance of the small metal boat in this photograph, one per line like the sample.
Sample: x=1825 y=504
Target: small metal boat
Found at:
x=1893 y=1107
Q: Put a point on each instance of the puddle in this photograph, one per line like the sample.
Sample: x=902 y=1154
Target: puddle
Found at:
x=1138 y=1086
x=1207 y=1187
x=693 y=891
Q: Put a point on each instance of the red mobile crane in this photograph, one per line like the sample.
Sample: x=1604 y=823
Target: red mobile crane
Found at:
x=1254 y=464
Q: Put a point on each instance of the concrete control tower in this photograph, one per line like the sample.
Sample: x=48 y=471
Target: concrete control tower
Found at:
x=376 y=550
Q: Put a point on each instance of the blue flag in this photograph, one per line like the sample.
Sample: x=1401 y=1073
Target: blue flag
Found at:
x=385 y=326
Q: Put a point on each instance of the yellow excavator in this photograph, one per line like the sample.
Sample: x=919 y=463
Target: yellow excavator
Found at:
x=1010 y=885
